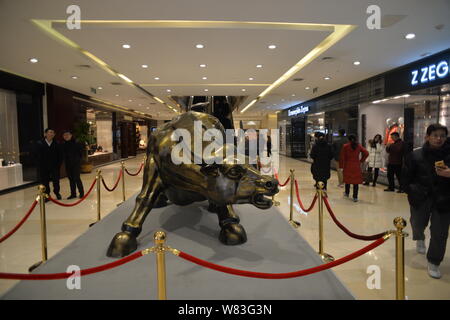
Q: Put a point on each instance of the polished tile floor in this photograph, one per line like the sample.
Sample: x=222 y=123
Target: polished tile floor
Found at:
x=374 y=213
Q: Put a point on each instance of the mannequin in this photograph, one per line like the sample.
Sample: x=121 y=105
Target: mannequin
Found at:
x=391 y=127
x=401 y=126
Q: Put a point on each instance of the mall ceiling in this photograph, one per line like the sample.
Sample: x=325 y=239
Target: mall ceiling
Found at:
x=326 y=37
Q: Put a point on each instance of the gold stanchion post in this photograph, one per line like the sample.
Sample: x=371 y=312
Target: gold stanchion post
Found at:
x=98 y=178
x=123 y=179
x=160 y=239
x=400 y=224
x=292 y=222
x=320 y=193
x=274 y=202
x=41 y=198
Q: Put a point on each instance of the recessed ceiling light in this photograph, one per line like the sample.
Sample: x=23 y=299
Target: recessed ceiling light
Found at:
x=307 y=88
x=410 y=36
x=168 y=90
x=282 y=99
x=259 y=65
x=293 y=94
x=156 y=78
x=33 y=60
x=356 y=63
x=327 y=78
x=99 y=88
x=272 y=46
x=250 y=79
x=117 y=95
x=206 y=90
x=243 y=90
x=74 y=77
x=203 y=66
x=130 y=100
x=199 y=46
x=144 y=66
x=204 y=78
x=126 y=46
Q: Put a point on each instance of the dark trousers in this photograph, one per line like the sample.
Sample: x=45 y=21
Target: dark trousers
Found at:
x=394 y=169
x=376 y=173
x=440 y=223
x=355 y=190
x=47 y=175
x=73 y=173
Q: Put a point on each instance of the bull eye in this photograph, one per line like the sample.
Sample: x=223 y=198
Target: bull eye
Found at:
x=235 y=173
x=269 y=185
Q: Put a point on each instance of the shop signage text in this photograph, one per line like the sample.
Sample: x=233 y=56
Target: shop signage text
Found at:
x=430 y=73
x=298 y=110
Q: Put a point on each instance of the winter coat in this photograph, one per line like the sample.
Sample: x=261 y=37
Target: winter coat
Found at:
x=375 y=159
x=396 y=152
x=350 y=161
x=338 y=143
x=48 y=157
x=73 y=152
x=321 y=153
x=421 y=181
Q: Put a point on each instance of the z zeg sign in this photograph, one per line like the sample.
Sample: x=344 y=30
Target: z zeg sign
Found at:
x=425 y=73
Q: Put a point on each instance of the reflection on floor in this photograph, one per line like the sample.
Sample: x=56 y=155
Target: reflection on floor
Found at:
x=373 y=213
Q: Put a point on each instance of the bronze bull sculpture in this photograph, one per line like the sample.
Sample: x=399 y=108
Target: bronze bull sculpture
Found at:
x=182 y=184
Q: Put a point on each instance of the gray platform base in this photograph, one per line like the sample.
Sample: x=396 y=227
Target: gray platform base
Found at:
x=273 y=246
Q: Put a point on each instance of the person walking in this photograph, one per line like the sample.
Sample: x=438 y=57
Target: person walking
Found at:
x=337 y=145
x=396 y=152
x=49 y=158
x=73 y=152
x=352 y=156
x=269 y=145
x=374 y=161
x=322 y=154
x=426 y=179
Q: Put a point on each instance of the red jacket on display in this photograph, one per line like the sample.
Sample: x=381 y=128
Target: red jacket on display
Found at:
x=350 y=161
x=387 y=135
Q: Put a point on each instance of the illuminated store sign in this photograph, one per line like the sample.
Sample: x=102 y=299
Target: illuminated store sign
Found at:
x=430 y=73
x=298 y=110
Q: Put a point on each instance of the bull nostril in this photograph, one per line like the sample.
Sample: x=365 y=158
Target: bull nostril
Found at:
x=269 y=185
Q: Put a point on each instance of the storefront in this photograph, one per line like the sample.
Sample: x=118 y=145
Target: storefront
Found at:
x=21 y=119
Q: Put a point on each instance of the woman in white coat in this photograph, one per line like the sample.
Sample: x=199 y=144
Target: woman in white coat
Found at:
x=374 y=160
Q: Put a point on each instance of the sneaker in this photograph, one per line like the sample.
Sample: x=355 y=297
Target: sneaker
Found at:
x=355 y=199
x=345 y=194
x=433 y=271
x=72 y=196
x=420 y=247
x=389 y=190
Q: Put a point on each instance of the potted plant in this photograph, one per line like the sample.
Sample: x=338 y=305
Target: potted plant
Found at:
x=81 y=132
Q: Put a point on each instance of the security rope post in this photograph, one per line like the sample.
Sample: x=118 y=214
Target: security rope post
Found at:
x=98 y=178
x=41 y=197
x=292 y=222
x=160 y=239
x=275 y=203
x=122 y=164
x=400 y=224
x=320 y=194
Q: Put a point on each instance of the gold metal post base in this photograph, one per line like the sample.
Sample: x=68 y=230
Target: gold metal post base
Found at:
x=34 y=266
x=326 y=257
x=92 y=224
x=117 y=205
x=295 y=224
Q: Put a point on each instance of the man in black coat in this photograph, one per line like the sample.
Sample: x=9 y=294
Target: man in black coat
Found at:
x=49 y=158
x=321 y=153
x=73 y=152
x=427 y=183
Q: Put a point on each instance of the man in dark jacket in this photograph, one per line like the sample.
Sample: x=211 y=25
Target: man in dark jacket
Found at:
x=321 y=153
x=49 y=158
x=396 y=152
x=73 y=152
x=427 y=183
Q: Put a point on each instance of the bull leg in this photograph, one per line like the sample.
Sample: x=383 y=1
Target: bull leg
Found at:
x=125 y=242
x=231 y=232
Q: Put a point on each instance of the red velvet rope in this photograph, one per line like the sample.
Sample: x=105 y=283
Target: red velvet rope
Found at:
x=9 y=234
x=348 y=232
x=279 y=183
x=64 y=275
x=300 y=201
x=294 y=274
x=76 y=202
x=115 y=184
x=135 y=174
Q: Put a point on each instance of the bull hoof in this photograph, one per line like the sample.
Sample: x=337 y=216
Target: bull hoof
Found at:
x=233 y=234
x=122 y=245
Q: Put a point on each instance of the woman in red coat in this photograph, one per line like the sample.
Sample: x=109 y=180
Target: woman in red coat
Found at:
x=350 y=161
